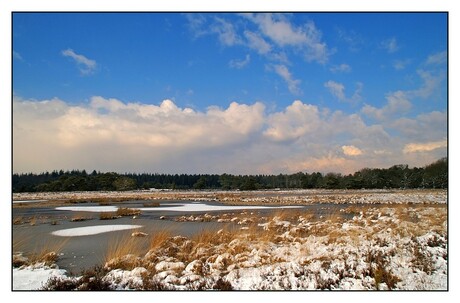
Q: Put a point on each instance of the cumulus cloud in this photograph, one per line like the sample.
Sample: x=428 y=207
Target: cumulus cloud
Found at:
x=297 y=120
x=108 y=134
x=85 y=65
x=115 y=128
x=351 y=150
x=424 y=147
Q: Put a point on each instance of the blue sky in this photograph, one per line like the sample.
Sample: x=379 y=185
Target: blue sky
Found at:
x=228 y=92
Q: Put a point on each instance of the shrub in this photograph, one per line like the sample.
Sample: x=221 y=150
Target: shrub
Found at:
x=222 y=285
x=91 y=279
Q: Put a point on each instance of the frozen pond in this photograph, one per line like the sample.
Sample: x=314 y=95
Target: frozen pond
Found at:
x=86 y=242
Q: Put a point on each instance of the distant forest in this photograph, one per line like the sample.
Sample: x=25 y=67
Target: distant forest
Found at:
x=434 y=175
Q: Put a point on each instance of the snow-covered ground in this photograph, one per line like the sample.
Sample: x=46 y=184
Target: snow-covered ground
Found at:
x=278 y=197
x=392 y=247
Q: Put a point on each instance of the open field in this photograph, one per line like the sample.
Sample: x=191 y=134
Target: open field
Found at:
x=379 y=240
x=277 y=197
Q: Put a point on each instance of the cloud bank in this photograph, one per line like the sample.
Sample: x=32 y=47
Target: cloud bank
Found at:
x=108 y=134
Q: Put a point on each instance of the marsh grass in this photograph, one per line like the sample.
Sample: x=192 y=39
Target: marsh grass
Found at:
x=79 y=218
x=125 y=212
x=151 y=204
x=124 y=251
x=108 y=216
x=48 y=252
x=159 y=238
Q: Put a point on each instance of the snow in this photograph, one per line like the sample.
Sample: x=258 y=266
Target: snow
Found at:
x=92 y=230
x=195 y=207
x=302 y=254
x=34 y=277
x=97 y=209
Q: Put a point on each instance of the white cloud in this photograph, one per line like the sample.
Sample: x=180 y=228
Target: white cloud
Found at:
x=238 y=63
x=430 y=84
x=342 y=68
x=257 y=43
x=397 y=103
x=353 y=39
x=438 y=58
x=226 y=32
x=293 y=84
x=390 y=45
x=401 y=64
x=18 y=56
x=307 y=37
x=279 y=30
x=196 y=24
x=63 y=134
x=111 y=135
x=351 y=150
x=85 y=65
x=297 y=120
x=338 y=90
x=423 y=128
x=424 y=147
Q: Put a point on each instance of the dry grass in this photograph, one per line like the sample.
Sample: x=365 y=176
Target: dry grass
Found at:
x=125 y=212
x=210 y=237
x=151 y=204
x=108 y=216
x=78 y=217
x=159 y=238
x=48 y=252
x=124 y=251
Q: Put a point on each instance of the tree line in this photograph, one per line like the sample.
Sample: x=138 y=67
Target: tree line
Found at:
x=434 y=175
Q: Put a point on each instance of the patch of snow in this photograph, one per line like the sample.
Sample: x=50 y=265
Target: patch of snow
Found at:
x=34 y=277
x=91 y=230
x=96 y=209
x=198 y=207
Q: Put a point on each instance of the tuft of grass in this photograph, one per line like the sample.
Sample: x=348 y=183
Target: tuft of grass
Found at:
x=151 y=204
x=124 y=252
x=108 y=216
x=79 y=217
x=125 y=212
x=159 y=238
x=18 y=220
x=422 y=258
x=209 y=237
x=48 y=252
